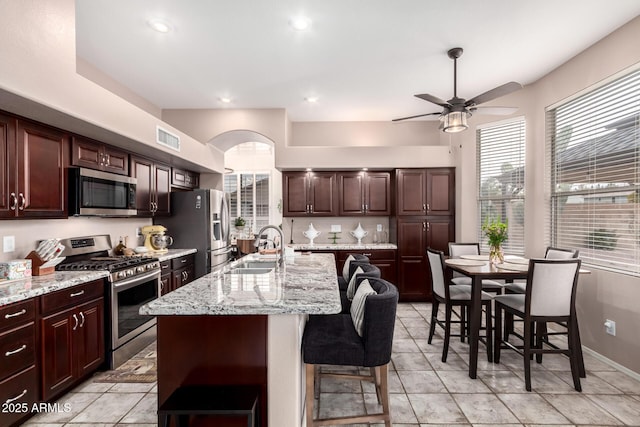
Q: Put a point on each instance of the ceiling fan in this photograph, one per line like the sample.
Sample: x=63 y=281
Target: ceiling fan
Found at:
x=453 y=117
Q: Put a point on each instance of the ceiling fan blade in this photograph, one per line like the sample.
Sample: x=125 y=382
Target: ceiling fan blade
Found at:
x=494 y=93
x=497 y=111
x=413 y=117
x=433 y=99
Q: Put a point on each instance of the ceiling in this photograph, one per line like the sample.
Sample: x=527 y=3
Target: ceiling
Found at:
x=363 y=59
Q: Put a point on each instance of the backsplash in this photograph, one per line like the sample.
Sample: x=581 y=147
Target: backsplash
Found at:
x=323 y=225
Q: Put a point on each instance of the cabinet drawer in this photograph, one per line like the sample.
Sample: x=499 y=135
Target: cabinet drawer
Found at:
x=373 y=254
x=20 y=391
x=71 y=296
x=17 y=349
x=17 y=313
x=183 y=261
x=165 y=266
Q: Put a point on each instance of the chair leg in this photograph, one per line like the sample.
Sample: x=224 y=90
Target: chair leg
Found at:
x=316 y=382
x=541 y=334
x=497 y=340
x=528 y=336
x=434 y=316
x=574 y=354
x=383 y=375
x=447 y=332
x=463 y=323
x=576 y=336
x=310 y=376
x=508 y=325
x=489 y=329
x=375 y=373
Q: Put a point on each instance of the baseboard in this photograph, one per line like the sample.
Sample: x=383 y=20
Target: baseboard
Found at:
x=611 y=363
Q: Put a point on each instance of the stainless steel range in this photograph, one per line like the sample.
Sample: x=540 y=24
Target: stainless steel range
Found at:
x=133 y=282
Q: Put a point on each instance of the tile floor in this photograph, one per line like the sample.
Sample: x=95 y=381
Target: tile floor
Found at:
x=424 y=391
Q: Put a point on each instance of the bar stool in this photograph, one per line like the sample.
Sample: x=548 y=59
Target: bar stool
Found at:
x=211 y=400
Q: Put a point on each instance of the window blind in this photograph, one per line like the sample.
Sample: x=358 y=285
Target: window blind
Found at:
x=249 y=198
x=593 y=150
x=501 y=161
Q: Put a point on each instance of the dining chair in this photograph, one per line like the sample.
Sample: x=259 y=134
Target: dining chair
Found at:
x=361 y=338
x=456 y=250
x=343 y=279
x=452 y=296
x=550 y=296
x=518 y=286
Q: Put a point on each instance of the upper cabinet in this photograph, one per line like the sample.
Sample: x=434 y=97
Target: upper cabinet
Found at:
x=309 y=193
x=33 y=159
x=95 y=155
x=425 y=191
x=184 y=179
x=152 y=187
x=364 y=193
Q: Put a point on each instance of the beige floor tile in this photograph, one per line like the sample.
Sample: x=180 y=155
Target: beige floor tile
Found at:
x=90 y=425
x=459 y=382
x=90 y=387
x=421 y=382
x=592 y=363
x=405 y=346
x=110 y=407
x=339 y=385
x=484 y=408
x=417 y=322
x=436 y=408
x=620 y=381
x=592 y=384
x=406 y=310
x=425 y=347
x=76 y=402
x=395 y=386
x=624 y=408
x=400 y=332
x=30 y=423
x=410 y=362
x=502 y=381
x=145 y=411
x=131 y=388
x=401 y=411
x=133 y=425
x=340 y=405
x=543 y=381
x=532 y=408
x=580 y=409
x=418 y=331
x=454 y=362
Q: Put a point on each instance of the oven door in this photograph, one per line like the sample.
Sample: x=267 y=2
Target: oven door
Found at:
x=126 y=299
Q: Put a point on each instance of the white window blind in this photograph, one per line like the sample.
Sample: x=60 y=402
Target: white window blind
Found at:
x=593 y=150
x=249 y=198
x=501 y=160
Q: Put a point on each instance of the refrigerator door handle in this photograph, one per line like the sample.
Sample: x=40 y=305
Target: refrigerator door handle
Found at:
x=224 y=218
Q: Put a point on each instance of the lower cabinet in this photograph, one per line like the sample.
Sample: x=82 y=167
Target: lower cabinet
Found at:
x=177 y=272
x=384 y=259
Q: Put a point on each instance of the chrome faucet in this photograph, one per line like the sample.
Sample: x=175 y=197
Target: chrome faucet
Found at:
x=256 y=243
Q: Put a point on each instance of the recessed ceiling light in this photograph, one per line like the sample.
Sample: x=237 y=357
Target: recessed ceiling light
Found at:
x=225 y=100
x=300 y=23
x=309 y=169
x=159 y=25
x=311 y=99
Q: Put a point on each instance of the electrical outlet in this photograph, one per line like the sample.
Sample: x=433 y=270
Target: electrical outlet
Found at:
x=379 y=227
x=610 y=327
x=9 y=243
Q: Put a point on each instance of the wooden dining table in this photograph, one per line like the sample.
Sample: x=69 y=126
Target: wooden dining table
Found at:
x=477 y=273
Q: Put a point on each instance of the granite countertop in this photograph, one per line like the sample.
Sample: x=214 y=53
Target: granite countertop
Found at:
x=17 y=290
x=306 y=285
x=341 y=246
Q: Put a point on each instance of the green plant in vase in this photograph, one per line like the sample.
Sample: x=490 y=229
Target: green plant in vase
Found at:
x=239 y=223
x=496 y=232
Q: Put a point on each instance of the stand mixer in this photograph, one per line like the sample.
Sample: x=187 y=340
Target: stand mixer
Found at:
x=154 y=238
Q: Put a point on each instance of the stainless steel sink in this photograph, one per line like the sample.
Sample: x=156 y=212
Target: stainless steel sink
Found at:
x=253 y=270
x=258 y=264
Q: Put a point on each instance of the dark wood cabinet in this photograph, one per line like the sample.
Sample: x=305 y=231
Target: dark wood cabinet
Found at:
x=177 y=272
x=441 y=191
x=184 y=179
x=95 y=155
x=152 y=188
x=309 y=193
x=364 y=193
x=425 y=191
x=33 y=159
x=384 y=259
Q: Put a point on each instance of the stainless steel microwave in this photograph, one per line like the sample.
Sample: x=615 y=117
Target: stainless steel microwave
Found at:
x=96 y=193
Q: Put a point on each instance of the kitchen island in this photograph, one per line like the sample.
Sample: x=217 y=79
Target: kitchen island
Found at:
x=244 y=326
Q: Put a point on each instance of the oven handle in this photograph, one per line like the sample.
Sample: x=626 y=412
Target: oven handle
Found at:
x=137 y=279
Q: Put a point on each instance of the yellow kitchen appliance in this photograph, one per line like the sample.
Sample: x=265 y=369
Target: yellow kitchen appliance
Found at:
x=152 y=234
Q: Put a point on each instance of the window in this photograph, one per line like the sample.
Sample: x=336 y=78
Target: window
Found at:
x=593 y=151
x=500 y=159
x=249 y=198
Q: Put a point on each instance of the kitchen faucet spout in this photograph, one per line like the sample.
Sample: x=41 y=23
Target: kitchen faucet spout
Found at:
x=279 y=230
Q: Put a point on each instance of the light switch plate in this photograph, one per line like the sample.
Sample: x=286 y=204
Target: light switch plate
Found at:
x=9 y=243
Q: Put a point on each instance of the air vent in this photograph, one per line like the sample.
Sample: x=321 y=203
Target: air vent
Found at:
x=166 y=138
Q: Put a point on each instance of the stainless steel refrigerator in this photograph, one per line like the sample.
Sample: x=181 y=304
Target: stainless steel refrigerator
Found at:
x=200 y=219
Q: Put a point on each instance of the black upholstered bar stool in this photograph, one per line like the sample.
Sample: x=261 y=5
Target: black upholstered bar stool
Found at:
x=211 y=400
x=343 y=279
x=356 y=268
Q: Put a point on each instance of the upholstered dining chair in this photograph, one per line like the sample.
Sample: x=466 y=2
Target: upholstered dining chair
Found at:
x=356 y=268
x=343 y=278
x=452 y=296
x=362 y=338
x=518 y=286
x=550 y=296
x=458 y=249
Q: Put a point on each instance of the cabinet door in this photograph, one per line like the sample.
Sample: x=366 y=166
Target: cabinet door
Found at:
x=43 y=154
x=85 y=153
x=89 y=337
x=377 y=191
x=441 y=191
x=414 y=283
x=165 y=284
x=295 y=193
x=142 y=170
x=411 y=191
x=440 y=231
x=323 y=197
x=351 y=193
x=57 y=352
x=7 y=163
x=116 y=161
x=162 y=187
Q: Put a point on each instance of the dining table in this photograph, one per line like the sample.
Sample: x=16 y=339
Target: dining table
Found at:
x=479 y=269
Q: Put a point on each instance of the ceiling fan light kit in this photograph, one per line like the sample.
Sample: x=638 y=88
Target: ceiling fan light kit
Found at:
x=456 y=111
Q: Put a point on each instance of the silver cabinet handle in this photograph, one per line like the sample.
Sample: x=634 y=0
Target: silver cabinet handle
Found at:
x=17 y=397
x=76 y=319
x=23 y=201
x=366 y=207
x=107 y=160
x=16 y=314
x=17 y=350
x=428 y=208
x=311 y=208
x=428 y=225
x=424 y=207
x=82 y=319
x=77 y=294
x=183 y=261
x=424 y=226
x=369 y=254
x=13 y=201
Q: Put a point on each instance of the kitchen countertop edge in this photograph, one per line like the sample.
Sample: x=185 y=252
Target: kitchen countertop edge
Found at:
x=341 y=246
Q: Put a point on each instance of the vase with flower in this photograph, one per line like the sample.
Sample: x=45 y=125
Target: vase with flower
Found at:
x=496 y=232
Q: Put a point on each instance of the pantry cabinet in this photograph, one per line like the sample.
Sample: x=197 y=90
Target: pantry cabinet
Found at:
x=152 y=188
x=33 y=159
